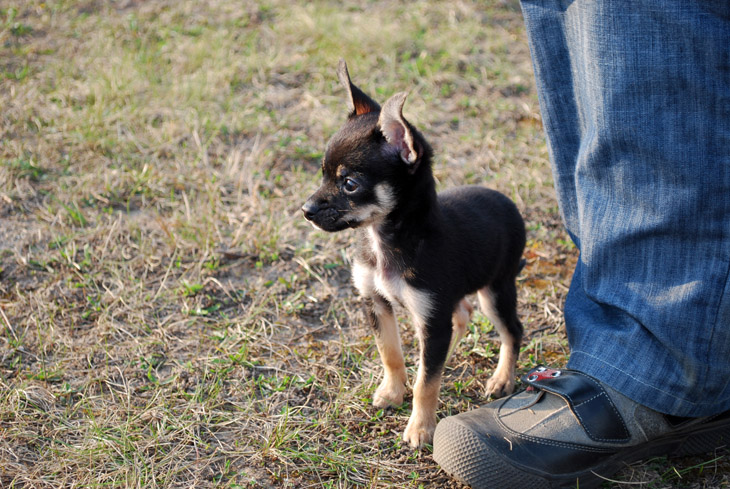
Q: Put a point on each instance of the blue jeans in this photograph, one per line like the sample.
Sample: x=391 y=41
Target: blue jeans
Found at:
x=635 y=99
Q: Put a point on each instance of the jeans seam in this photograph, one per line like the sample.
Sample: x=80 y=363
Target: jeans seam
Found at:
x=723 y=295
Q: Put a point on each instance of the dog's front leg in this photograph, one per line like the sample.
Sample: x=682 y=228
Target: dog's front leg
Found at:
x=385 y=329
x=434 y=343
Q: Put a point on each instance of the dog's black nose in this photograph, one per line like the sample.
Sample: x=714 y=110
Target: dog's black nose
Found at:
x=310 y=209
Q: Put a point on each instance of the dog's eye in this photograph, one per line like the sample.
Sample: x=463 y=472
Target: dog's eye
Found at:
x=350 y=185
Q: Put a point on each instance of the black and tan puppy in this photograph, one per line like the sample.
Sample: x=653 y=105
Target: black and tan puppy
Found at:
x=420 y=250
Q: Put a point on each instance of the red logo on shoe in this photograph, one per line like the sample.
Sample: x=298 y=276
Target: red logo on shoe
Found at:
x=542 y=373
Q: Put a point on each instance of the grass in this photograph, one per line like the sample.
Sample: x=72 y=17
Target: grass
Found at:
x=168 y=319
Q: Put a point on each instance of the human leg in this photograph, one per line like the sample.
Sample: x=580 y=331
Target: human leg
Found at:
x=636 y=106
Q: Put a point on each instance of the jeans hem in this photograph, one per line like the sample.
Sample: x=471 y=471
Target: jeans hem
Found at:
x=643 y=393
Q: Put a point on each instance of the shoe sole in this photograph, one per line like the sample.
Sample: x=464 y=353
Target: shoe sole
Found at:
x=465 y=455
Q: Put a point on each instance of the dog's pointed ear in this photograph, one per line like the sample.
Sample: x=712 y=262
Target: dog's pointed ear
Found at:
x=359 y=102
x=397 y=131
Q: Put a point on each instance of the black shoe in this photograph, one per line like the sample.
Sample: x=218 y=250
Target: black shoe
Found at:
x=565 y=430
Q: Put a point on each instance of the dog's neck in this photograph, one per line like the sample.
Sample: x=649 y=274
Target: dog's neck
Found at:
x=395 y=238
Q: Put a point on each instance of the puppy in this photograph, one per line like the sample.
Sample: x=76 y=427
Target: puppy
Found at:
x=418 y=249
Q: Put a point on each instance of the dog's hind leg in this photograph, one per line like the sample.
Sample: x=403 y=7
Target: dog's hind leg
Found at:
x=500 y=306
x=460 y=319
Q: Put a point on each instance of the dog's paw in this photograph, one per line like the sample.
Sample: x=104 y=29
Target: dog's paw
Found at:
x=500 y=385
x=389 y=394
x=419 y=430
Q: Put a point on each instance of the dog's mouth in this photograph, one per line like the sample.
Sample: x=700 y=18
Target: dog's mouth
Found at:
x=332 y=217
x=331 y=220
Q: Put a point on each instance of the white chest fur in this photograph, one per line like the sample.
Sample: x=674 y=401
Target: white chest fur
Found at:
x=383 y=281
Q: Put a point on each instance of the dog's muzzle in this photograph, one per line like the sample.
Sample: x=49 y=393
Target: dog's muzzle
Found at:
x=311 y=209
x=323 y=216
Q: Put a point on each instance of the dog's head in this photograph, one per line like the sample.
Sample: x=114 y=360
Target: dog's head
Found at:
x=366 y=163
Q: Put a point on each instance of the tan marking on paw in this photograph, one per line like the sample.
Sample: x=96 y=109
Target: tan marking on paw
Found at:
x=390 y=393
x=502 y=381
x=419 y=430
x=422 y=422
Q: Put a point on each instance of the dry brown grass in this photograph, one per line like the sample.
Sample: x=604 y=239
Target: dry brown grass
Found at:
x=168 y=319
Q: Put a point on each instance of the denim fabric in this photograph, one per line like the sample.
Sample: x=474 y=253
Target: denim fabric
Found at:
x=635 y=99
